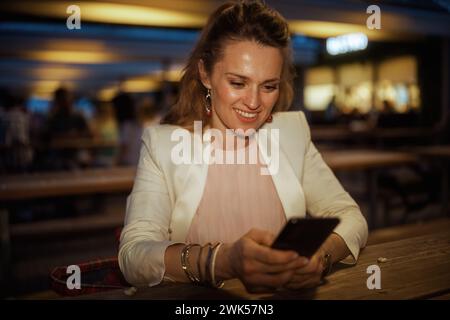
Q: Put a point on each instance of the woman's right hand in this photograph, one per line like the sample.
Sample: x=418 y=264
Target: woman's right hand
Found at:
x=259 y=267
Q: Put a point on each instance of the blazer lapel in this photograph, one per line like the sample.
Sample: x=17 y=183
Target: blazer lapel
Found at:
x=189 y=197
x=285 y=180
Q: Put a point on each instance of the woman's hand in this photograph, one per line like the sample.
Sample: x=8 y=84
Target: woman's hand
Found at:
x=308 y=276
x=259 y=267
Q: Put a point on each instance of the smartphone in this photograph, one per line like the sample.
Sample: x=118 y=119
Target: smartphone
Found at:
x=305 y=235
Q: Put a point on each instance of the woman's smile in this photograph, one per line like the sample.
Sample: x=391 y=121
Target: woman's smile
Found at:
x=246 y=116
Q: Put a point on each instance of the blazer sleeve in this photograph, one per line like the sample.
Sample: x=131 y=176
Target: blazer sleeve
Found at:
x=145 y=235
x=325 y=197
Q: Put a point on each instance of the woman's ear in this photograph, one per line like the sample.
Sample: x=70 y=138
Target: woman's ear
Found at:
x=204 y=78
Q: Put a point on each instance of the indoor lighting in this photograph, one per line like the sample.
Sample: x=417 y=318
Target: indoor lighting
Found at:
x=63 y=56
x=347 y=43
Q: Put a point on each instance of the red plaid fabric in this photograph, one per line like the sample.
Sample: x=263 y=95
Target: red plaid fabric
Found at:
x=96 y=276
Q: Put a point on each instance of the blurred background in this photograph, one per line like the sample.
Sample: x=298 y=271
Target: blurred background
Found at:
x=74 y=102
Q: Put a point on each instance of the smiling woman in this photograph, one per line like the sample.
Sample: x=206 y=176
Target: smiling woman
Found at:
x=242 y=92
x=208 y=222
x=237 y=55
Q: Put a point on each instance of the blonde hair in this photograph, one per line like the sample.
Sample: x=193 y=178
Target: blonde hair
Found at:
x=232 y=21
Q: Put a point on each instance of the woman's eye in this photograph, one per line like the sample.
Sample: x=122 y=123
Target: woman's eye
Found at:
x=270 y=88
x=237 y=84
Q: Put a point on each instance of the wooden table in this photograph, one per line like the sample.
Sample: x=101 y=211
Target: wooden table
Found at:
x=369 y=161
x=416 y=268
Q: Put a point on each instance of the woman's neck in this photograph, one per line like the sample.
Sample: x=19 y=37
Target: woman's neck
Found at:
x=232 y=139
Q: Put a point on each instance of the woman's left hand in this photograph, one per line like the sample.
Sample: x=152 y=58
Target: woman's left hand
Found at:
x=308 y=276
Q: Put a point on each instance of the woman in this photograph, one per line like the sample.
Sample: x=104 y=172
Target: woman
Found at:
x=211 y=222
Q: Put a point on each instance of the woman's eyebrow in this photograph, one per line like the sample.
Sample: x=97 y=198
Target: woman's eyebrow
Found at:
x=246 y=78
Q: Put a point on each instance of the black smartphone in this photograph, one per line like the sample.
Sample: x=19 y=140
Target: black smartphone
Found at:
x=305 y=235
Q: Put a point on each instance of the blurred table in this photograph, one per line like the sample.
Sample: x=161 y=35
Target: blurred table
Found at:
x=441 y=155
x=15 y=188
x=55 y=184
x=416 y=268
x=78 y=143
x=438 y=151
x=409 y=230
x=365 y=159
x=365 y=134
x=369 y=161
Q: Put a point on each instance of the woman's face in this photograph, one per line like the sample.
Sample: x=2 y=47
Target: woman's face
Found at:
x=244 y=85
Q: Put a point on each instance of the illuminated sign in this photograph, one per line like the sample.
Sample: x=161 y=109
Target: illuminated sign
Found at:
x=346 y=43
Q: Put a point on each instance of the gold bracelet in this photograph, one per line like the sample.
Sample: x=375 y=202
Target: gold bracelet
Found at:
x=213 y=264
x=185 y=263
x=209 y=262
x=200 y=275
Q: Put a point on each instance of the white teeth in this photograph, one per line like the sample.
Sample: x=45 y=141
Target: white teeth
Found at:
x=246 y=114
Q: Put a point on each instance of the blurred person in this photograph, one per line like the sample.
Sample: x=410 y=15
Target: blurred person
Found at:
x=238 y=79
x=4 y=97
x=148 y=112
x=105 y=129
x=130 y=129
x=17 y=153
x=65 y=123
x=331 y=111
x=169 y=96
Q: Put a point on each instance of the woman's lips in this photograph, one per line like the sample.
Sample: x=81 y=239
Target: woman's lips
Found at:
x=246 y=116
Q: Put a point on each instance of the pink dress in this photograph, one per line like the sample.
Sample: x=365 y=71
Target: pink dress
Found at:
x=236 y=199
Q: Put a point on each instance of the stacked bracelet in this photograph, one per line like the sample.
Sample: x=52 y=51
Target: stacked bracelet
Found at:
x=208 y=278
x=185 y=263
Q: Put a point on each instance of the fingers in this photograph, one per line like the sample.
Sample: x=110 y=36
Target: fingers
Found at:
x=261 y=236
x=308 y=276
x=258 y=248
x=315 y=265
x=254 y=266
x=258 y=257
x=271 y=256
x=261 y=267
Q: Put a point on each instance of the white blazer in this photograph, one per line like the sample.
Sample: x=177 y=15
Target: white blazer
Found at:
x=165 y=196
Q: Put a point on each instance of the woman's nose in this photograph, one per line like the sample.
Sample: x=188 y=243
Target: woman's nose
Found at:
x=253 y=99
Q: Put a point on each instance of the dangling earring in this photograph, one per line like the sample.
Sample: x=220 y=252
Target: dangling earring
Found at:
x=269 y=119
x=208 y=103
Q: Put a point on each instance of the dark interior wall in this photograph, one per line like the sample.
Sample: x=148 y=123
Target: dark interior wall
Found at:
x=430 y=74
